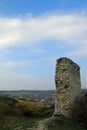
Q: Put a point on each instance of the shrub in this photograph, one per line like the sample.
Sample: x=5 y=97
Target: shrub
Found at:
x=31 y=108
x=79 y=111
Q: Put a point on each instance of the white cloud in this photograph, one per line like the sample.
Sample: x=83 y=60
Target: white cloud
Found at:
x=37 y=50
x=70 y=28
x=17 y=81
x=14 y=64
x=21 y=63
x=12 y=80
x=25 y=63
x=80 y=52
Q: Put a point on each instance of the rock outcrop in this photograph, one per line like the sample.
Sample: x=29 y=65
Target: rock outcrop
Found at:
x=68 y=85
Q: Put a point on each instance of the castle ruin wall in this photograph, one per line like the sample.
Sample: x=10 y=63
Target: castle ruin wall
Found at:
x=68 y=85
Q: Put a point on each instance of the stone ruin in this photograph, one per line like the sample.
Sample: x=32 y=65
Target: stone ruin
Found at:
x=68 y=85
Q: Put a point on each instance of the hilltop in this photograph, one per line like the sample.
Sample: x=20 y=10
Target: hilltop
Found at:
x=16 y=115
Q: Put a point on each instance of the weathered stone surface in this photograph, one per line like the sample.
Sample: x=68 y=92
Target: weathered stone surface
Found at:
x=68 y=85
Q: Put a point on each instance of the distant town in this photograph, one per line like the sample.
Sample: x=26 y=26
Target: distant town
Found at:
x=46 y=97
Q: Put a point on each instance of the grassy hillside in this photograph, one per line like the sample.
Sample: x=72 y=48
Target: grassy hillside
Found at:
x=12 y=117
x=62 y=123
x=22 y=115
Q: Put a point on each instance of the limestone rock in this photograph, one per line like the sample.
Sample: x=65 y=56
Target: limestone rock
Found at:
x=68 y=85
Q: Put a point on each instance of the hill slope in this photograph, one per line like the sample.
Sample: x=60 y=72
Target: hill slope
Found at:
x=13 y=117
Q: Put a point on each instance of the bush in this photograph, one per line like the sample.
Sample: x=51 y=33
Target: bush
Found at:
x=7 y=106
x=32 y=109
x=79 y=111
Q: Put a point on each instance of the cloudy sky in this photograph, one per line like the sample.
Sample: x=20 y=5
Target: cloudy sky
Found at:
x=33 y=34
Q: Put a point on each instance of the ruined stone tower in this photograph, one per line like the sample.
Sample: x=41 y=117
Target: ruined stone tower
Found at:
x=68 y=85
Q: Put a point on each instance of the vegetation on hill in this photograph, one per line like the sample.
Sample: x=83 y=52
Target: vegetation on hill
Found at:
x=79 y=111
x=24 y=114
x=34 y=109
x=11 y=117
x=62 y=123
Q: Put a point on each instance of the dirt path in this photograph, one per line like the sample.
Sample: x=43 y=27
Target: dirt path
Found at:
x=42 y=124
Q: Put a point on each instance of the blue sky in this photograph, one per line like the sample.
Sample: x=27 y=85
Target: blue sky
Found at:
x=33 y=34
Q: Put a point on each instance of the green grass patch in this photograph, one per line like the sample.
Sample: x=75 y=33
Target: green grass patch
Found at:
x=14 y=122
x=62 y=123
x=20 y=114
